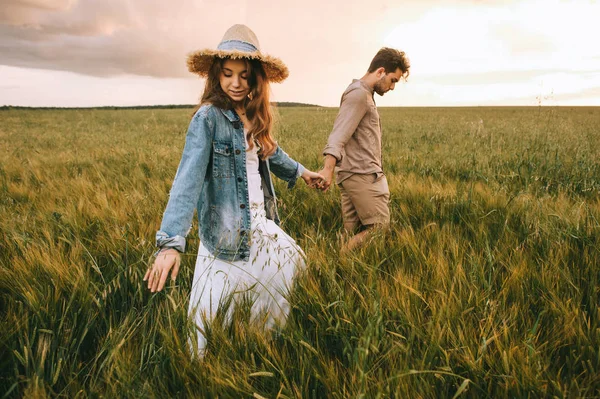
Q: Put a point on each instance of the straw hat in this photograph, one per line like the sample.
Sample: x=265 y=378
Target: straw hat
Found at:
x=238 y=42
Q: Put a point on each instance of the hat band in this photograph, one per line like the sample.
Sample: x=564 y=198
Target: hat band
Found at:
x=239 y=45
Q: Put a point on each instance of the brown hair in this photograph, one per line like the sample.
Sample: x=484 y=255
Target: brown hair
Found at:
x=258 y=106
x=391 y=59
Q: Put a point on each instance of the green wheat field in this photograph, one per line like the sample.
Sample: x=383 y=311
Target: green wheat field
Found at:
x=487 y=285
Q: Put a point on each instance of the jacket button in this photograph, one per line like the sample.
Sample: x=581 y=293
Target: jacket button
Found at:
x=240 y=179
x=237 y=152
x=242 y=206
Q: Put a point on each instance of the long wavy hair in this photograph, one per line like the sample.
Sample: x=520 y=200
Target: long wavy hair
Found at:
x=258 y=107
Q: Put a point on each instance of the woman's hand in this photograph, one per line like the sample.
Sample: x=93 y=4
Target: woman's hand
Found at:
x=312 y=179
x=158 y=273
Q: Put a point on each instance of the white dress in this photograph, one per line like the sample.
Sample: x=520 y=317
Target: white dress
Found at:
x=266 y=276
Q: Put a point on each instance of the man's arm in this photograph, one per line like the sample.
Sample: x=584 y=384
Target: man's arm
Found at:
x=353 y=108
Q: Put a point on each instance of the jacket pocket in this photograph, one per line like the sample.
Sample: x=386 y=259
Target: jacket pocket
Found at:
x=222 y=159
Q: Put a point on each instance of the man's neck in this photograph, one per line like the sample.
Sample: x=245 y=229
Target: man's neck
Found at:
x=370 y=79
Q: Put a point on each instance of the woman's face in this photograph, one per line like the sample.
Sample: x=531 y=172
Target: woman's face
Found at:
x=234 y=80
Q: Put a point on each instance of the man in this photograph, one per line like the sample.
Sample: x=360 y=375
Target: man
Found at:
x=354 y=148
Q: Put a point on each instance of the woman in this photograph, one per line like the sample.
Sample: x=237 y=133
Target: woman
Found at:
x=224 y=173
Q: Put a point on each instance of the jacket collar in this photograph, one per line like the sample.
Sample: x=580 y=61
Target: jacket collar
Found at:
x=230 y=115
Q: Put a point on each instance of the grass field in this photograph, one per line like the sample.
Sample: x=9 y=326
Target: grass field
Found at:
x=487 y=284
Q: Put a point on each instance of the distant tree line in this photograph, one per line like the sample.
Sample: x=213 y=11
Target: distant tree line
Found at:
x=169 y=106
x=292 y=104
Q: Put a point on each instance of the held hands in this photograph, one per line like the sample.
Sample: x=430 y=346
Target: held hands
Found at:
x=158 y=273
x=327 y=179
x=312 y=179
x=320 y=180
x=327 y=173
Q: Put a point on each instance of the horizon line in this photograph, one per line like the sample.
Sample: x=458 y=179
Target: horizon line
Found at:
x=283 y=104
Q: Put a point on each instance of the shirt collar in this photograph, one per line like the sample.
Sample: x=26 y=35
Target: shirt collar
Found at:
x=366 y=86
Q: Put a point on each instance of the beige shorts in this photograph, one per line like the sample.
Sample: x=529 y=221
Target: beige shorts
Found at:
x=365 y=201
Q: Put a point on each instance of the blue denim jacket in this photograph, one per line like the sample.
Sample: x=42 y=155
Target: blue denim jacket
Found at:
x=212 y=178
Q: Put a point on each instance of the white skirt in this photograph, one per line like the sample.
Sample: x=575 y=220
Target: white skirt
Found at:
x=265 y=278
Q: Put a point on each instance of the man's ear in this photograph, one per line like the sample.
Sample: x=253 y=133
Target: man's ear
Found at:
x=380 y=72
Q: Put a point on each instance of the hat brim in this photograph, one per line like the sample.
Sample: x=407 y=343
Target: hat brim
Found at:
x=200 y=62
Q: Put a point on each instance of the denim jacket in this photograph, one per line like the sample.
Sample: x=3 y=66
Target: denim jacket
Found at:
x=212 y=178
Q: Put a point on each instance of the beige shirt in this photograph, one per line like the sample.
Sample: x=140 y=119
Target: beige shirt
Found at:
x=355 y=140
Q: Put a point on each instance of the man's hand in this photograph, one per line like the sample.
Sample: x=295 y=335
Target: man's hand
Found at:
x=327 y=173
x=324 y=184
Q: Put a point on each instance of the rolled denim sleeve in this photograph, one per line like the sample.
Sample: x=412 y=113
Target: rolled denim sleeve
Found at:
x=187 y=185
x=353 y=107
x=285 y=167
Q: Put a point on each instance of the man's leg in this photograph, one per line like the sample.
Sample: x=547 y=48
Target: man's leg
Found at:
x=369 y=196
x=349 y=215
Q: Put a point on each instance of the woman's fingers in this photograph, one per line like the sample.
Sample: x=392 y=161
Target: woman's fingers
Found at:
x=150 y=277
x=176 y=269
x=162 y=279
x=154 y=278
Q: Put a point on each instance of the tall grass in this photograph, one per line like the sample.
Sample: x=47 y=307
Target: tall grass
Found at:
x=486 y=285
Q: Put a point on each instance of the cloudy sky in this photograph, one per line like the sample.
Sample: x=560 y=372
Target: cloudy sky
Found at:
x=132 y=52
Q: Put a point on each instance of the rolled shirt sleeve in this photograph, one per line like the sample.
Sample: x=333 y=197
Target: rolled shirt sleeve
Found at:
x=353 y=107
